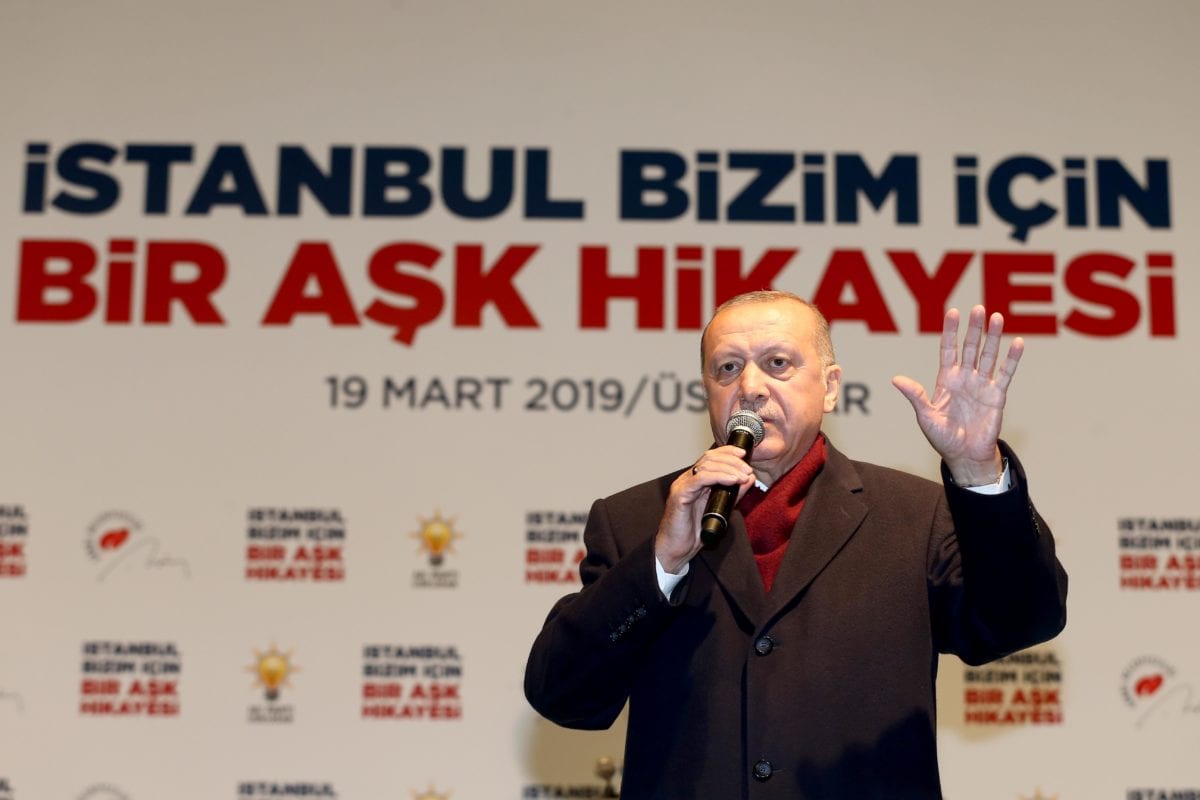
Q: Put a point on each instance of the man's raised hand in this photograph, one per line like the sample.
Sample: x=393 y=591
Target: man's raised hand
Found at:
x=962 y=418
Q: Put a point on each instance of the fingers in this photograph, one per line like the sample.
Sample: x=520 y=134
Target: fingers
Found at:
x=745 y=487
x=721 y=465
x=1009 y=368
x=949 y=351
x=970 y=351
x=678 y=537
x=980 y=351
x=991 y=345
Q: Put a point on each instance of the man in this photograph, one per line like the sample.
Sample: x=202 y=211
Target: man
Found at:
x=796 y=658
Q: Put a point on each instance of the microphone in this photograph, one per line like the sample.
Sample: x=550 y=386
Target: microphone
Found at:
x=744 y=430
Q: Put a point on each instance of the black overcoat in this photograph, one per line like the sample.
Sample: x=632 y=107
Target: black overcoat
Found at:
x=823 y=688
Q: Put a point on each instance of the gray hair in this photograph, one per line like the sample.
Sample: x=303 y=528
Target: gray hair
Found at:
x=821 y=337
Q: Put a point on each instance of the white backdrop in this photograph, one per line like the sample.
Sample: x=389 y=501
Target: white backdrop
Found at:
x=168 y=457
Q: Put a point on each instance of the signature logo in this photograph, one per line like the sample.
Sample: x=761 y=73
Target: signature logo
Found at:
x=116 y=541
x=1177 y=702
x=103 y=791
x=1150 y=686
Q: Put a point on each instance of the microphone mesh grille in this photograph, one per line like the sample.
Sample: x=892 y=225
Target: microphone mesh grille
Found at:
x=747 y=421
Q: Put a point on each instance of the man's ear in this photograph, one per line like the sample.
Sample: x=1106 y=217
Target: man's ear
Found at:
x=833 y=384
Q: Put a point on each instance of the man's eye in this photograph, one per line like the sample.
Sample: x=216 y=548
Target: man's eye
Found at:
x=728 y=368
x=778 y=362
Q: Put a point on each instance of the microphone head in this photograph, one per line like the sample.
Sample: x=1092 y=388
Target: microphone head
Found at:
x=746 y=421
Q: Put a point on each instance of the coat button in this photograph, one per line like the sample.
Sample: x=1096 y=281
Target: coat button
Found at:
x=763 y=770
x=763 y=645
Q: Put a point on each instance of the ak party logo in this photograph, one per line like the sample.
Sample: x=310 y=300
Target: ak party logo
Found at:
x=436 y=537
x=272 y=672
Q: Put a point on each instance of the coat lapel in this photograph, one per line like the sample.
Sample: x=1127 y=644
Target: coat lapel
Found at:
x=731 y=562
x=833 y=511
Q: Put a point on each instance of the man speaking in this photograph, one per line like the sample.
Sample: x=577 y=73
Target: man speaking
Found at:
x=791 y=651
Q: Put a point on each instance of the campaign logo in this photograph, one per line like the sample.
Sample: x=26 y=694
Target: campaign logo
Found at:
x=295 y=545
x=104 y=791
x=260 y=789
x=554 y=546
x=130 y=679
x=436 y=537
x=1024 y=688
x=1144 y=678
x=430 y=794
x=606 y=770
x=1159 y=554
x=14 y=531
x=422 y=682
x=117 y=542
x=1162 y=794
x=1151 y=687
x=272 y=671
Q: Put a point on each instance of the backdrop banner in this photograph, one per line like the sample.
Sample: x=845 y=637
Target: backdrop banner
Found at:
x=322 y=327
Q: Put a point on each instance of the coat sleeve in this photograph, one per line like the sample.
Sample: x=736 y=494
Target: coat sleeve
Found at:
x=594 y=642
x=996 y=585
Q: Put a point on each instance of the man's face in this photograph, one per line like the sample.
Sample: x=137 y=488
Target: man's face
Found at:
x=763 y=357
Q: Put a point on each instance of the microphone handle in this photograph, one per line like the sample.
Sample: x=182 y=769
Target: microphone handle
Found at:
x=721 y=498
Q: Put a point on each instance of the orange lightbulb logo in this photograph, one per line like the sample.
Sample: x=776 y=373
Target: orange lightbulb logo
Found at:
x=271 y=670
x=430 y=794
x=437 y=537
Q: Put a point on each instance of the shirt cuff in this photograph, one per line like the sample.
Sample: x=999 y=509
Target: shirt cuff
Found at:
x=1002 y=484
x=668 y=581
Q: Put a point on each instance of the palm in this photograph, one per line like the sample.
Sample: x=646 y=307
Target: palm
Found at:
x=962 y=418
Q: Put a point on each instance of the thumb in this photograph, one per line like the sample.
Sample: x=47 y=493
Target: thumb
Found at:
x=912 y=390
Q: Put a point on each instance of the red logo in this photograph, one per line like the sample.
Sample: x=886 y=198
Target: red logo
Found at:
x=111 y=540
x=1144 y=678
x=1148 y=685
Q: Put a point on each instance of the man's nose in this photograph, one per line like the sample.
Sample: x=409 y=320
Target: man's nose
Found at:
x=752 y=385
